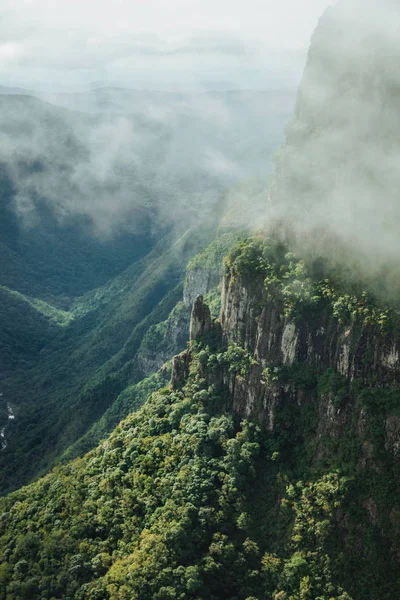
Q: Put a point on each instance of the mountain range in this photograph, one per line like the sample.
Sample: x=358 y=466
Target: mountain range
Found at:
x=200 y=373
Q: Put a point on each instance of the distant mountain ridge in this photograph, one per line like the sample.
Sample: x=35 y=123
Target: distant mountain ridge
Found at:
x=263 y=461
x=66 y=174
x=119 y=99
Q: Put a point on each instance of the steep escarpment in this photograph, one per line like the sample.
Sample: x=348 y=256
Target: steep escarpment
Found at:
x=184 y=499
x=269 y=465
x=203 y=278
x=267 y=469
x=147 y=360
x=309 y=323
x=318 y=366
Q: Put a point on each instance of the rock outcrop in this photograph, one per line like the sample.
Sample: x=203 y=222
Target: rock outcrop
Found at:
x=200 y=319
x=180 y=369
x=199 y=281
x=165 y=339
x=354 y=353
x=259 y=325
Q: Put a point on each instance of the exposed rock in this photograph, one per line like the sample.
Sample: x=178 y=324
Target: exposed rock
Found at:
x=249 y=319
x=164 y=340
x=151 y=356
x=289 y=343
x=331 y=418
x=343 y=363
x=180 y=369
x=392 y=428
x=200 y=319
x=371 y=509
x=200 y=281
x=391 y=359
x=258 y=325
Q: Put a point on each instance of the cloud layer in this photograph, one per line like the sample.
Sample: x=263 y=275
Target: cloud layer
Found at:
x=78 y=42
x=338 y=179
x=169 y=158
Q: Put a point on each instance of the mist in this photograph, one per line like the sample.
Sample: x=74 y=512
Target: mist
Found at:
x=337 y=180
x=167 y=160
x=196 y=45
x=131 y=115
x=119 y=157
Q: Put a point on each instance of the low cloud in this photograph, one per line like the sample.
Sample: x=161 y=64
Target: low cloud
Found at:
x=169 y=159
x=121 y=40
x=337 y=179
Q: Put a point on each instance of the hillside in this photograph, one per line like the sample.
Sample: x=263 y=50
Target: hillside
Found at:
x=220 y=418
x=62 y=372
x=268 y=468
x=96 y=230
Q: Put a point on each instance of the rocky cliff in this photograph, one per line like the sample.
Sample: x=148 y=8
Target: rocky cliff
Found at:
x=269 y=468
x=203 y=276
x=317 y=366
x=354 y=350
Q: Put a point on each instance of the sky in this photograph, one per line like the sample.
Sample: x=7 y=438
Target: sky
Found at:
x=73 y=44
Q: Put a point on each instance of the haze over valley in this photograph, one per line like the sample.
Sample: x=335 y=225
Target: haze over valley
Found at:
x=199 y=300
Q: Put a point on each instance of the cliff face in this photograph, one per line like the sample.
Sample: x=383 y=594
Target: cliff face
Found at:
x=358 y=354
x=319 y=370
x=294 y=496
x=200 y=319
x=166 y=339
x=295 y=346
x=359 y=351
x=335 y=196
x=353 y=350
x=199 y=281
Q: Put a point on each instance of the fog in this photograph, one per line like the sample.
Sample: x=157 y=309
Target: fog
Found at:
x=121 y=154
x=155 y=43
x=170 y=105
x=165 y=162
x=337 y=178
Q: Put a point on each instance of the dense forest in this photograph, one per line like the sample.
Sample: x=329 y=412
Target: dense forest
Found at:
x=189 y=499
x=200 y=370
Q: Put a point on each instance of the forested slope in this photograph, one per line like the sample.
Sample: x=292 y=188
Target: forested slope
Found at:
x=263 y=460
x=63 y=370
x=99 y=216
x=244 y=479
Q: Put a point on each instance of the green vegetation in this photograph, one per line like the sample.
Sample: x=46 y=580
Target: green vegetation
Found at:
x=306 y=289
x=86 y=291
x=162 y=509
x=187 y=500
x=213 y=301
x=62 y=371
x=212 y=256
x=24 y=331
x=55 y=315
x=235 y=359
x=77 y=372
x=129 y=401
